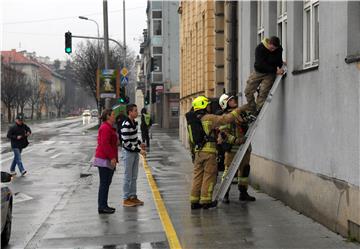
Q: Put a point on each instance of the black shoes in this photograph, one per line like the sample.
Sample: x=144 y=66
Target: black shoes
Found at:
x=244 y=196
x=226 y=199
x=195 y=206
x=204 y=205
x=209 y=205
x=111 y=208
x=106 y=210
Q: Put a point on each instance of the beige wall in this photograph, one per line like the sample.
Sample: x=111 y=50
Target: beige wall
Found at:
x=197 y=55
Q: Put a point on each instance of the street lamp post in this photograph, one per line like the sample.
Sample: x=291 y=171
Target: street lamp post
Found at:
x=98 y=34
x=99 y=52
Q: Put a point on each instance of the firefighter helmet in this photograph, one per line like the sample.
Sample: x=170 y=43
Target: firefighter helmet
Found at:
x=200 y=103
x=224 y=99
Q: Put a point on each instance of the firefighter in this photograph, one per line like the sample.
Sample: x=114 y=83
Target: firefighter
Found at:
x=205 y=165
x=232 y=136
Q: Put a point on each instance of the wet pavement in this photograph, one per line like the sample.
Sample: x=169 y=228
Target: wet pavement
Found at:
x=62 y=209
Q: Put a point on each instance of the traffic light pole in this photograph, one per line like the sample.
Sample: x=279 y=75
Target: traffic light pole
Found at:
x=98 y=38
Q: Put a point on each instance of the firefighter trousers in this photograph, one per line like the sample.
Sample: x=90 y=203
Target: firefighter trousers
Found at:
x=204 y=177
x=244 y=169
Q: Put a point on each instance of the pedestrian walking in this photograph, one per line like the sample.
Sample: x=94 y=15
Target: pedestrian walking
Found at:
x=106 y=158
x=18 y=135
x=201 y=129
x=268 y=63
x=231 y=137
x=132 y=147
x=145 y=125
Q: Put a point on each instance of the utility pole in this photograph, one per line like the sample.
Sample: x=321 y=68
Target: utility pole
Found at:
x=106 y=45
x=124 y=33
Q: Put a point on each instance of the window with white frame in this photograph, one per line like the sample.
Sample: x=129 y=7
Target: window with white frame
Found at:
x=157 y=22
x=282 y=25
x=311 y=33
x=260 y=21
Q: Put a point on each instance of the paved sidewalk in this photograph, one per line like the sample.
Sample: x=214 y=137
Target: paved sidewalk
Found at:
x=266 y=223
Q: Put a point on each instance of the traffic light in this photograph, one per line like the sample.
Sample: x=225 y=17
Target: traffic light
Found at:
x=123 y=99
x=147 y=100
x=68 y=37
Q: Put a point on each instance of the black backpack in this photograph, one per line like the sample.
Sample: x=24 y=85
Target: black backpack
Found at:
x=196 y=129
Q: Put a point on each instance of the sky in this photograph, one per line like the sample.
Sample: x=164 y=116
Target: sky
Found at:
x=39 y=25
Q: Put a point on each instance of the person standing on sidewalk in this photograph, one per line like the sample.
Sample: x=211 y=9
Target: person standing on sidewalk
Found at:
x=18 y=134
x=231 y=137
x=145 y=125
x=119 y=120
x=132 y=147
x=106 y=158
x=205 y=165
x=268 y=63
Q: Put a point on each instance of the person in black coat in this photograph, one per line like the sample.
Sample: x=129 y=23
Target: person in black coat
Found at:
x=268 y=63
x=18 y=134
x=146 y=123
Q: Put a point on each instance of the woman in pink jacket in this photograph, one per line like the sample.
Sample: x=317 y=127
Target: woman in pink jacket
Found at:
x=106 y=158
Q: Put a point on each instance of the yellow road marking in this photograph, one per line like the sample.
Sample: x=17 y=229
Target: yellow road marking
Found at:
x=160 y=206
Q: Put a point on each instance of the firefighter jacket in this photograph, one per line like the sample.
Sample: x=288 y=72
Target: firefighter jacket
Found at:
x=235 y=134
x=211 y=121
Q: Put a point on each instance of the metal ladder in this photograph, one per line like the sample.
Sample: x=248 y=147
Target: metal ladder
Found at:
x=224 y=186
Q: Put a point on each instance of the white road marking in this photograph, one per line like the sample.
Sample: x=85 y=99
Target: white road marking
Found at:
x=55 y=156
x=20 y=197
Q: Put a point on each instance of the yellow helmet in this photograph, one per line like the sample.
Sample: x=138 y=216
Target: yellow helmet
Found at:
x=200 y=103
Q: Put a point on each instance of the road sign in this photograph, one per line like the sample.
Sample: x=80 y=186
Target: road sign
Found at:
x=124 y=80
x=107 y=83
x=124 y=71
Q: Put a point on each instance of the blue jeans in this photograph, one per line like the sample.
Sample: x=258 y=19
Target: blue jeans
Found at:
x=17 y=160
x=131 y=162
x=106 y=175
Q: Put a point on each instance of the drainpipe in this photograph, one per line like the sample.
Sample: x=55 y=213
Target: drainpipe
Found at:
x=231 y=43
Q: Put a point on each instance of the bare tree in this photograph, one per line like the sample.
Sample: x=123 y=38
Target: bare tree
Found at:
x=85 y=62
x=22 y=94
x=10 y=81
x=47 y=97
x=59 y=101
x=34 y=97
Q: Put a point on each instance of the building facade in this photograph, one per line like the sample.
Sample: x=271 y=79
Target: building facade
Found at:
x=306 y=149
x=44 y=82
x=208 y=52
x=161 y=47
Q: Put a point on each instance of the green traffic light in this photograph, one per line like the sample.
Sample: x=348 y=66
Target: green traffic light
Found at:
x=68 y=50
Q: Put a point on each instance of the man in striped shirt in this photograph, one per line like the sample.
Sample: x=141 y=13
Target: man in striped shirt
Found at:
x=132 y=147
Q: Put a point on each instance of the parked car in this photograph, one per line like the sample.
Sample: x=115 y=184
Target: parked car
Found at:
x=86 y=113
x=94 y=113
x=6 y=208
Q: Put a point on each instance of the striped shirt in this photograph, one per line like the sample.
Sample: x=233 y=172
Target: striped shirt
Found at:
x=129 y=136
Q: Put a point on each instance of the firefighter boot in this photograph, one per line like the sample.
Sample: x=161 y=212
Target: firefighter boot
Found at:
x=209 y=205
x=196 y=206
x=226 y=199
x=244 y=196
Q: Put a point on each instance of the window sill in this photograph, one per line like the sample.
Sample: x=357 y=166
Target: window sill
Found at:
x=305 y=70
x=352 y=58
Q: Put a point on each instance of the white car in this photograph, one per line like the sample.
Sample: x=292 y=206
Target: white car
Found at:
x=86 y=113
x=86 y=116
